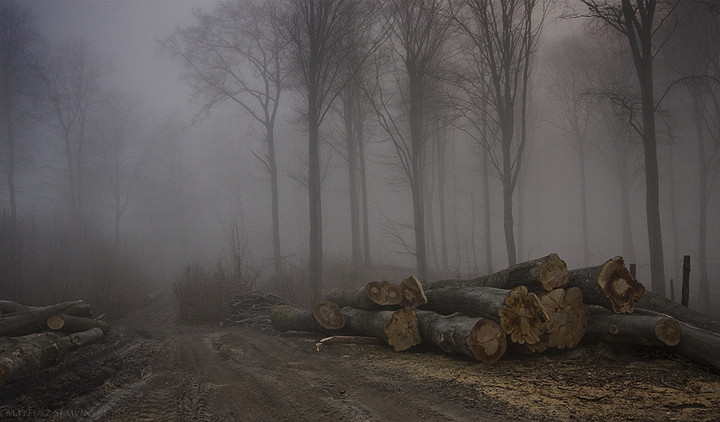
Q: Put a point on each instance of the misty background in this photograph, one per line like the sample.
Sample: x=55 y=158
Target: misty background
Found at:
x=171 y=182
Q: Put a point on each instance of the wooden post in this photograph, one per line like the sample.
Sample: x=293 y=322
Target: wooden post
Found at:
x=686 y=281
x=633 y=270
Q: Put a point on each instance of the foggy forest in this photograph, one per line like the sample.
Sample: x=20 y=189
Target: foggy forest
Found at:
x=297 y=147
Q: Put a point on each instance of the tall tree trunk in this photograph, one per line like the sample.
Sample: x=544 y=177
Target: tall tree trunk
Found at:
x=367 y=259
x=13 y=244
x=351 y=140
x=315 y=201
x=429 y=215
x=440 y=145
x=628 y=245
x=703 y=202
x=486 y=194
x=673 y=214
x=583 y=204
x=418 y=170
x=275 y=204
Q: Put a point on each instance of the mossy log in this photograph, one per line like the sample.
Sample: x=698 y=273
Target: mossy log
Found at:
x=657 y=303
x=541 y=274
x=644 y=330
x=322 y=318
x=479 y=338
x=74 y=324
x=398 y=329
x=609 y=285
x=518 y=311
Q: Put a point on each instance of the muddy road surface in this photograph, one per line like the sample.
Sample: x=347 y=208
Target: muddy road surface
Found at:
x=152 y=367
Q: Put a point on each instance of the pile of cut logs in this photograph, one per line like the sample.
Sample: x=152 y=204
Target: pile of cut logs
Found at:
x=32 y=337
x=534 y=305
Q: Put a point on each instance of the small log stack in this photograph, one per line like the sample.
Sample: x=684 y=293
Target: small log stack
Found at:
x=33 y=337
x=537 y=304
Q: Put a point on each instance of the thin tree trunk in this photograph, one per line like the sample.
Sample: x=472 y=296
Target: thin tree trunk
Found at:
x=275 y=203
x=704 y=284
x=628 y=245
x=351 y=129
x=440 y=145
x=583 y=205
x=488 y=225
x=315 y=203
x=367 y=259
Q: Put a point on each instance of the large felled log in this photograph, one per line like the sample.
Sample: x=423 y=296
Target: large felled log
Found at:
x=74 y=324
x=699 y=345
x=398 y=329
x=324 y=317
x=609 y=285
x=518 y=311
x=9 y=307
x=657 y=303
x=32 y=352
x=33 y=320
x=644 y=330
x=568 y=317
x=480 y=338
x=374 y=295
x=544 y=273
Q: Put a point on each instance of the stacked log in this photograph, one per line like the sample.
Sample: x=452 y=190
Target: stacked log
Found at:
x=33 y=337
x=536 y=305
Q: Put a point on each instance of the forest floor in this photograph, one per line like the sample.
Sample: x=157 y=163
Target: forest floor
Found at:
x=153 y=367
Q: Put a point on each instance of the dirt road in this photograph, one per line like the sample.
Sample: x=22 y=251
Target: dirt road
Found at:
x=153 y=368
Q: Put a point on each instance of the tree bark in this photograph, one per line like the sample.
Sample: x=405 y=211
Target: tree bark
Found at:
x=644 y=330
x=609 y=285
x=33 y=320
x=568 y=317
x=374 y=295
x=654 y=302
x=398 y=329
x=479 y=338
x=74 y=324
x=324 y=317
x=544 y=273
x=519 y=312
x=699 y=345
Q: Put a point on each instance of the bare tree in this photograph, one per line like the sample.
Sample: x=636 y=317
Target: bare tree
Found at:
x=75 y=84
x=417 y=31
x=644 y=24
x=235 y=54
x=317 y=32
x=20 y=70
x=502 y=37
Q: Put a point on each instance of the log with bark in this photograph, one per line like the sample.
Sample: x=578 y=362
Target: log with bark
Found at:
x=35 y=351
x=541 y=274
x=322 y=318
x=657 y=303
x=609 y=285
x=398 y=329
x=518 y=311
x=74 y=324
x=644 y=330
x=479 y=338
x=413 y=294
x=374 y=295
x=568 y=317
x=32 y=320
x=699 y=345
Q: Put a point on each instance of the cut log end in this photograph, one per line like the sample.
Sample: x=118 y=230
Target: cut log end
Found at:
x=522 y=316
x=402 y=331
x=328 y=315
x=384 y=293
x=568 y=317
x=553 y=272
x=487 y=341
x=413 y=294
x=619 y=285
x=668 y=331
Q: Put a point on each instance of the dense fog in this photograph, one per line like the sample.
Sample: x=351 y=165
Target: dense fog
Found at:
x=174 y=173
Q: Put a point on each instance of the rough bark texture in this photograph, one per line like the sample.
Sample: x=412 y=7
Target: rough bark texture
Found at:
x=289 y=318
x=518 y=311
x=398 y=329
x=644 y=330
x=609 y=285
x=568 y=317
x=33 y=320
x=74 y=324
x=544 y=273
x=480 y=338
x=657 y=303
x=328 y=315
